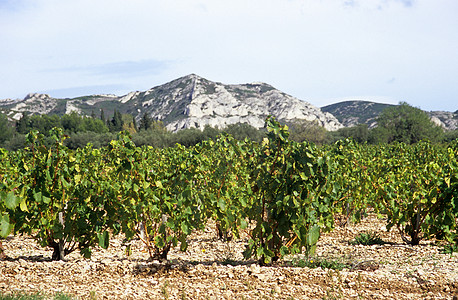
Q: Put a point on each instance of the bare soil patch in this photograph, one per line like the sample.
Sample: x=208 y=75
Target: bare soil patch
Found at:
x=214 y=269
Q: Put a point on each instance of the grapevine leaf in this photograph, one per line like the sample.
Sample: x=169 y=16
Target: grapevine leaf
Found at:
x=159 y=184
x=23 y=205
x=5 y=226
x=313 y=235
x=104 y=239
x=11 y=201
x=46 y=200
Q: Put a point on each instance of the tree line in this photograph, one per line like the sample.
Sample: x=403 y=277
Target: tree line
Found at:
x=401 y=123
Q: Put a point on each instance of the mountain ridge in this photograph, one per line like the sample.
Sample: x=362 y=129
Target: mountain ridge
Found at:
x=192 y=101
x=187 y=102
x=354 y=112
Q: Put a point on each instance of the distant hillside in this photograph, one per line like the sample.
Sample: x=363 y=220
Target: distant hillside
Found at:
x=187 y=102
x=351 y=113
x=194 y=102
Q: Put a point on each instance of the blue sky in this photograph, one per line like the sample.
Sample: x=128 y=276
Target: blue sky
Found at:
x=320 y=51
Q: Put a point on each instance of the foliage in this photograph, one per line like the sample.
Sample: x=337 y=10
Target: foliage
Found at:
x=227 y=188
x=292 y=202
x=6 y=132
x=450 y=136
x=36 y=296
x=283 y=193
x=241 y=131
x=23 y=124
x=82 y=139
x=407 y=124
x=145 y=122
x=311 y=131
x=319 y=262
x=350 y=177
x=158 y=189
x=61 y=196
x=9 y=183
x=116 y=123
x=70 y=123
x=367 y=239
x=408 y=182
x=359 y=133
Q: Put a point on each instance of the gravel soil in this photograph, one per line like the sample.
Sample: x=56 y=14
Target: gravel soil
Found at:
x=214 y=269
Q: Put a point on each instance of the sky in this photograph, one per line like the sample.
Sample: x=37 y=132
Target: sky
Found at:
x=320 y=51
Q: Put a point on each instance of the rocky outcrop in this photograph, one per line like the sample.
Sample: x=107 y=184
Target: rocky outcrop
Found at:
x=36 y=103
x=445 y=119
x=194 y=102
x=187 y=102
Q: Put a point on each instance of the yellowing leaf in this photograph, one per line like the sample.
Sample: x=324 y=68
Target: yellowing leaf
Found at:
x=23 y=205
x=159 y=184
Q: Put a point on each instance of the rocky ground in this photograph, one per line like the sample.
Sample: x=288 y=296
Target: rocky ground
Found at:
x=213 y=269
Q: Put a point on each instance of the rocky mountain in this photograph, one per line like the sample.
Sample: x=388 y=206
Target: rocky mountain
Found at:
x=187 y=102
x=351 y=113
x=446 y=119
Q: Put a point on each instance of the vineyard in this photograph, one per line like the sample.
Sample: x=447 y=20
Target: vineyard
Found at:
x=280 y=194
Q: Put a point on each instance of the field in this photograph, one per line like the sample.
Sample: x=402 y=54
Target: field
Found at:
x=214 y=269
x=282 y=203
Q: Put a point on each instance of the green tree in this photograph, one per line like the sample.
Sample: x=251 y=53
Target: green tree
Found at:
x=23 y=124
x=44 y=123
x=102 y=116
x=116 y=122
x=451 y=135
x=145 y=122
x=240 y=131
x=94 y=125
x=72 y=122
x=359 y=133
x=6 y=131
x=407 y=124
x=311 y=131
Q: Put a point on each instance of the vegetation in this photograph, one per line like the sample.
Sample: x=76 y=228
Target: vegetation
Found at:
x=99 y=131
x=320 y=262
x=367 y=239
x=302 y=130
x=406 y=124
x=37 y=296
x=284 y=193
x=401 y=123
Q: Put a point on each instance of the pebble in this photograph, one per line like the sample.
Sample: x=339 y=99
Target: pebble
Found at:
x=78 y=277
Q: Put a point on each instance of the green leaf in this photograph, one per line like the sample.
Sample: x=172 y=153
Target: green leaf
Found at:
x=104 y=239
x=136 y=187
x=185 y=228
x=313 y=235
x=46 y=200
x=183 y=245
x=37 y=197
x=5 y=226
x=222 y=204
x=447 y=181
x=11 y=201
x=243 y=223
